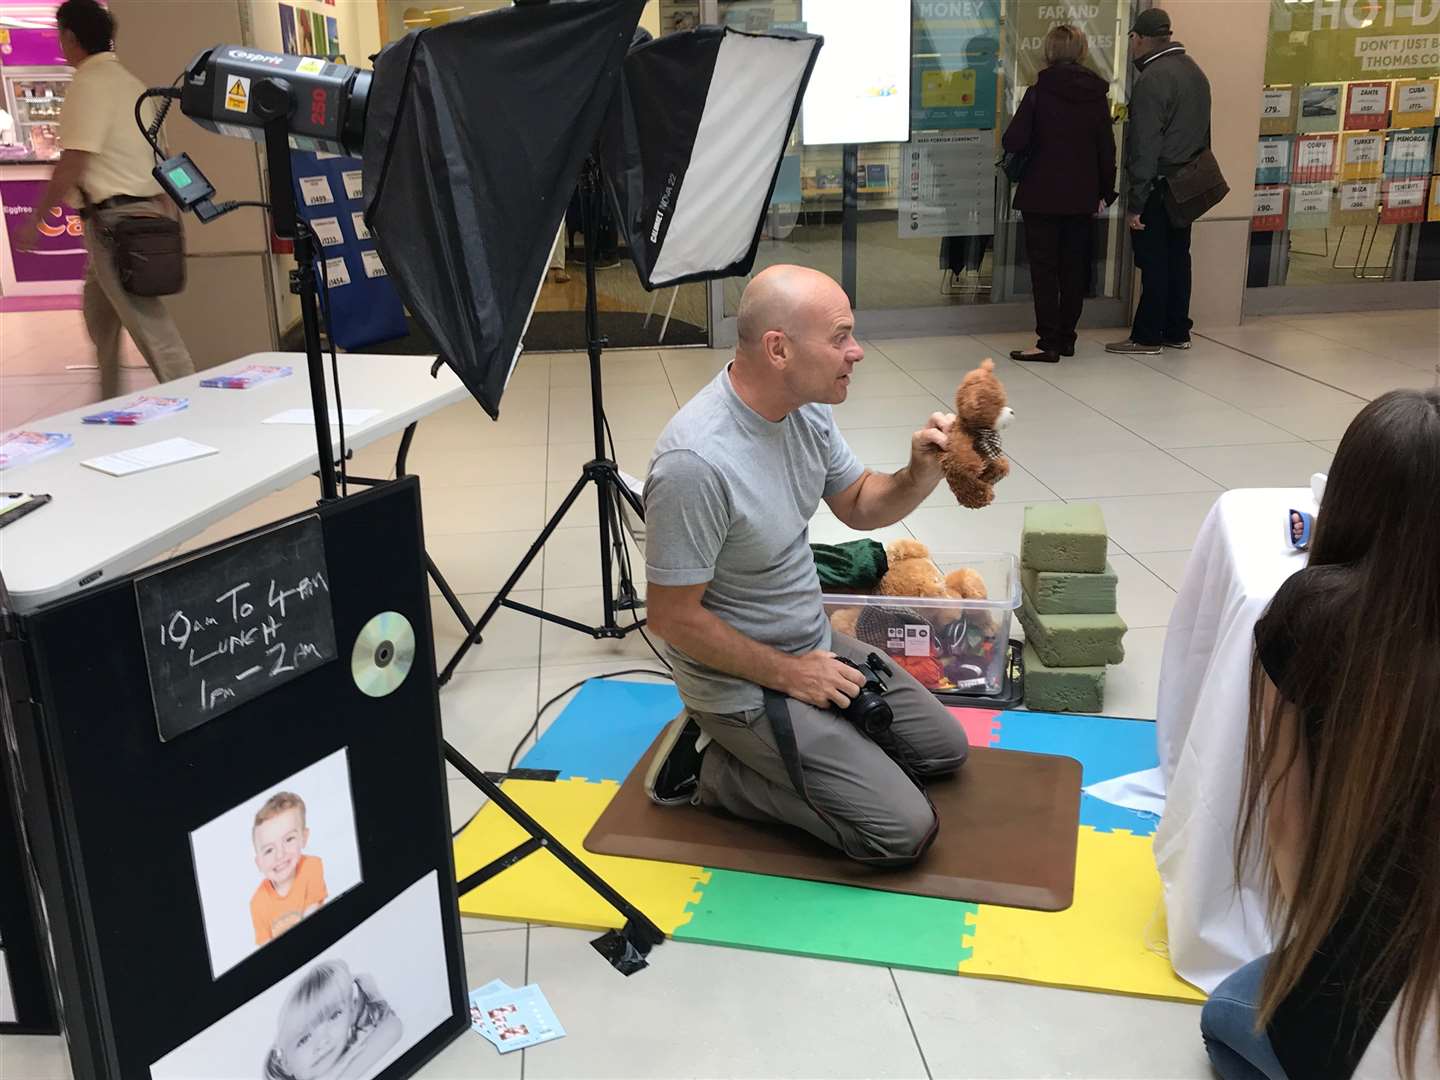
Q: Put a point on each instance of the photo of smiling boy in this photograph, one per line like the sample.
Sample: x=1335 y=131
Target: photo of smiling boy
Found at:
x=276 y=857
x=294 y=883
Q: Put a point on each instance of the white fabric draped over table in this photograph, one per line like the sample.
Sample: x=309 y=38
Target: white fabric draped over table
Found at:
x=1241 y=558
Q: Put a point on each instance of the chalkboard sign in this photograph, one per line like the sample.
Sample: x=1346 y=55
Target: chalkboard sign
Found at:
x=228 y=626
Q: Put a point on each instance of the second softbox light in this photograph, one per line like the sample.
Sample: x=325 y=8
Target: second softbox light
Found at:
x=692 y=147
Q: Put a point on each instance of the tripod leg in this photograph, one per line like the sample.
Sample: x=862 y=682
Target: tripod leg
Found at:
x=641 y=931
x=450 y=598
x=515 y=575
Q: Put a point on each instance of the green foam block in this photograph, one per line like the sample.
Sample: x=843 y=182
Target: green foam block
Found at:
x=1076 y=689
x=1069 y=641
x=1064 y=592
x=1064 y=536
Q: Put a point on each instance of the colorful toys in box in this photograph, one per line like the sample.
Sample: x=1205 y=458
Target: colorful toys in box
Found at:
x=942 y=627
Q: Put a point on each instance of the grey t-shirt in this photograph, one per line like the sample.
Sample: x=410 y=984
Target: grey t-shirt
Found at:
x=728 y=501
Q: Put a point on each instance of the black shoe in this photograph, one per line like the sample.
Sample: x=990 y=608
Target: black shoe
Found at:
x=674 y=772
x=1067 y=352
x=1044 y=356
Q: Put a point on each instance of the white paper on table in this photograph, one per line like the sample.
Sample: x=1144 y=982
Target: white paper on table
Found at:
x=354 y=418
x=1143 y=791
x=150 y=456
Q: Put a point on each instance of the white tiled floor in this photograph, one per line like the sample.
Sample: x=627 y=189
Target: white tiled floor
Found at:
x=1153 y=439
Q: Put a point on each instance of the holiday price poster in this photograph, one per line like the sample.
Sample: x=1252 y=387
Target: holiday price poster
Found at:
x=1414 y=103
x=1367 y=106
x=1402 y=202
x=1315 y=158
x=1269 y=213
x=1277 y=110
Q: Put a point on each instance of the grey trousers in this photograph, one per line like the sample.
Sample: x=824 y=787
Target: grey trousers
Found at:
x=856 y=797
x=108 y=307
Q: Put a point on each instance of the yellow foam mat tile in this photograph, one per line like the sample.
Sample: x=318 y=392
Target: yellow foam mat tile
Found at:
x=542 y=889
x=1111 y=938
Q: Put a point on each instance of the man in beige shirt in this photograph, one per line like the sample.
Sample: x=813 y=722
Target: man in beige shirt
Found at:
x=106 y=170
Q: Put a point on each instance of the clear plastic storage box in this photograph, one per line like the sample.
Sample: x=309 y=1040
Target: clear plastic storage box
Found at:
x=950 y=645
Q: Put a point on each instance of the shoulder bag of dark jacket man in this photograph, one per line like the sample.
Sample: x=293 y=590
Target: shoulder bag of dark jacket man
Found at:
x=148 y=249
x=1194 y=188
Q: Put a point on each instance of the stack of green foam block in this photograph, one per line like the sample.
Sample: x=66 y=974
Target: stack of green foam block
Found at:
x=1071 y=629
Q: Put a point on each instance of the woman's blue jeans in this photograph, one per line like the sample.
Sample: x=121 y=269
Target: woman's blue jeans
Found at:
x=1227 y=1023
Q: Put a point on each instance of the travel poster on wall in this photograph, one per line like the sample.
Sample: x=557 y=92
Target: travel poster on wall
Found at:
x=955 y=57
x=1367 y=106
x=1319 y=107
x=1360 y=156
x=332 y=36
x=1272 y=161
x=1403 y=201
x=1351 y=39
x=1357 y=202
x=1310 y=206
x=1270 y=208
x=1315 y=158
x=1407 y=153
x=1277 y=110
x=1433 y=214
x=1414 y=103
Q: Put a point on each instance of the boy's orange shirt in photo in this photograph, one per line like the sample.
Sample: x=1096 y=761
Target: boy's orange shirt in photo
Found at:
x=273 y=914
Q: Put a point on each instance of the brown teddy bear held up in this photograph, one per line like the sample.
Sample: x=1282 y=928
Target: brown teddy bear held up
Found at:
x=974 y=463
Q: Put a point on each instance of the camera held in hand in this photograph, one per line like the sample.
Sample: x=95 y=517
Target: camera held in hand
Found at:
x=868 y=710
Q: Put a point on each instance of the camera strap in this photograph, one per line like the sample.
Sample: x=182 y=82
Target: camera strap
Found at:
x=777 y=708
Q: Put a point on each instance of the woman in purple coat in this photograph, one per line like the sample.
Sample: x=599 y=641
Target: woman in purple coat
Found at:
x=1063 y=123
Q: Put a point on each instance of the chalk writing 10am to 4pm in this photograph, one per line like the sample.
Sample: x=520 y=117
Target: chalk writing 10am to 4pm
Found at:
x=240 y=629
x=236 y=623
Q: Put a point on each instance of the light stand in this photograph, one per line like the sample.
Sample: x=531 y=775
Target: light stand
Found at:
x=273 y=102
x=602 y=471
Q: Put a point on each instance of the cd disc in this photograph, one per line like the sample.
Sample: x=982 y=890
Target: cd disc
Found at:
x=383 y=653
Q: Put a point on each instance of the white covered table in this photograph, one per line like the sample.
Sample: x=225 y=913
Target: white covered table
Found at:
x=1240 y=559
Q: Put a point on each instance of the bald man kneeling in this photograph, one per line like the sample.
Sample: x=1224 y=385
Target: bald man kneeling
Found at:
x=733 y=590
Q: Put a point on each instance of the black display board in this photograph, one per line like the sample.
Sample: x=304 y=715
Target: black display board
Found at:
x=144 y=847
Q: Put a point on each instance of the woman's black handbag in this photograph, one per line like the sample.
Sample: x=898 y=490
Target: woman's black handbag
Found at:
x=1013 y=164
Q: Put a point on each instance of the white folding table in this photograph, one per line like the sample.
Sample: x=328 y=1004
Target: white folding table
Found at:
x=98 y=527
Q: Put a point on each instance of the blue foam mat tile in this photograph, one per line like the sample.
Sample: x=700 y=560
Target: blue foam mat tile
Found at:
x=605 y=730
x=1105 y=746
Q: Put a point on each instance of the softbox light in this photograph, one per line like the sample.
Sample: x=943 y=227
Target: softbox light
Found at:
x=693 y=146
x=474 y=137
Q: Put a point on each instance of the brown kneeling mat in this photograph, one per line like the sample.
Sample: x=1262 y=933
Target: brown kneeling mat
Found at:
x=1008 y=825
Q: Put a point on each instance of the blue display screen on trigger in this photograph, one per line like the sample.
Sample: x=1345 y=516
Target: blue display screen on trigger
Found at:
x=183 y=181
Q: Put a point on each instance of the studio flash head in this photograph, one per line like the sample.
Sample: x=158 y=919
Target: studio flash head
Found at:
x=236 y=90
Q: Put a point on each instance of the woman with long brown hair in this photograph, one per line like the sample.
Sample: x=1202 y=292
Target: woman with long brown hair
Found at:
x=1341 y=796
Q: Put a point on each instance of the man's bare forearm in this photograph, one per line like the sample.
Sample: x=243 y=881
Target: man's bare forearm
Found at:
x=706 y=637
x=885 y=498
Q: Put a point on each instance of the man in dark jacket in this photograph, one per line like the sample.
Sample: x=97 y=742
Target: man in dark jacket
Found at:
x=1169 y=126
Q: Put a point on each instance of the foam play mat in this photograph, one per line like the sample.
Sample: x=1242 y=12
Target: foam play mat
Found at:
x=1110 y=939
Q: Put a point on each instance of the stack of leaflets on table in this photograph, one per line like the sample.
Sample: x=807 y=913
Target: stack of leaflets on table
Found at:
x=141 y=410
x=246 y=377
x=513 y=1019
x=18 y=447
